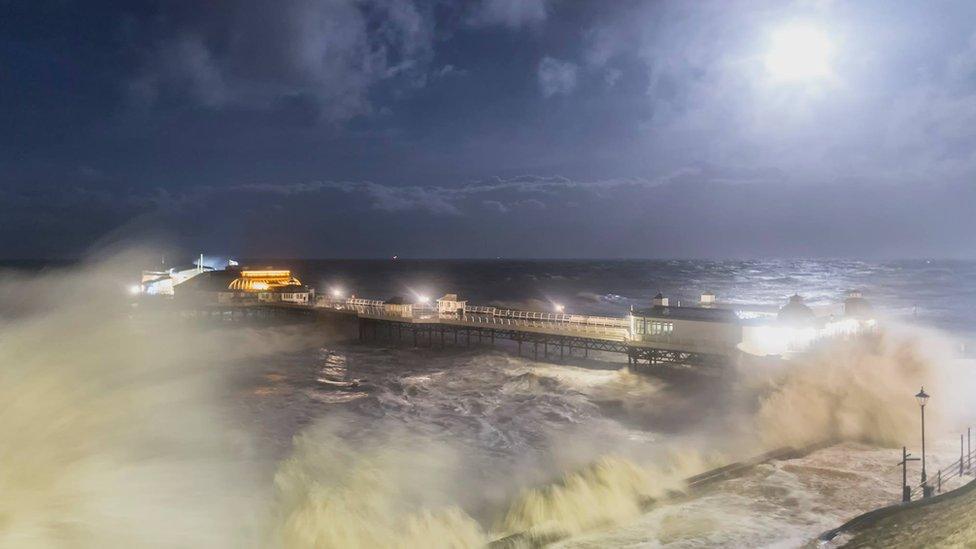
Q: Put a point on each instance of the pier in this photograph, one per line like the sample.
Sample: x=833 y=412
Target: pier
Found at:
x=706 y=333
x=539 y=335
x=554 y=334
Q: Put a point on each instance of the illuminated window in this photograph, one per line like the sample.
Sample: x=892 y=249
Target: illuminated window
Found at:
x=662 y=328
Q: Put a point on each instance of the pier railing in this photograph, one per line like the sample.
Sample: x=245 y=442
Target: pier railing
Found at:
x=546 y=317
x=600 y=325
x=957 y=469
x=529 y=322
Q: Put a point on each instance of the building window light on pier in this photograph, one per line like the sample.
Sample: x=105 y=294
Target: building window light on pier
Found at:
x=638 y=326
x=662 y=328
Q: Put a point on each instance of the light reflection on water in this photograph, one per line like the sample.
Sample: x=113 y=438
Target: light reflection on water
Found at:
x=125 y=419
x=940 y=293
x=519 y=423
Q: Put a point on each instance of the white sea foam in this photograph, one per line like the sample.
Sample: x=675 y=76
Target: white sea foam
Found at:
x=117 y=432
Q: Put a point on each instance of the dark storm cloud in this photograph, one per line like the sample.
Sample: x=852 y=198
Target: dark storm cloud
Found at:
x=511 y=13
x=653 y=128
x=556 y=77
x=258 y=54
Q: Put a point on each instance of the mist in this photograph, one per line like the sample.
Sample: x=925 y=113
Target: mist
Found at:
x=123 y=427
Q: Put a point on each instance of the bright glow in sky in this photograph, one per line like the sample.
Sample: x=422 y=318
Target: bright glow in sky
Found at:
x=799 y=52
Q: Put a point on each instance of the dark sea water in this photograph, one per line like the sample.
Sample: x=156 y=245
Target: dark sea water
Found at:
x=519 y=424
x=938 y=293
x=941 y=294
x=387 y=435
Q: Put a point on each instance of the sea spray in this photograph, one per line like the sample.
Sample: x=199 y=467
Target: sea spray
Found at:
x=609 y=491
x=111 y=428
x=330 y=494
x=852 y=390
x=113 y=435
x=384 y=484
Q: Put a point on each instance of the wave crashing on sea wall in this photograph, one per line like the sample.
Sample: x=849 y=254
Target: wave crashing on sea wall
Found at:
x=859 y=390
x=389 y=494
x=116 y=433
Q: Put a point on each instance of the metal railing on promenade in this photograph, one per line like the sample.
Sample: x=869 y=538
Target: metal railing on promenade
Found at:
x=957 y=469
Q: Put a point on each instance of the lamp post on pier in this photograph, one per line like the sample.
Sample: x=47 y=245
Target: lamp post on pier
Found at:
x=923 y=398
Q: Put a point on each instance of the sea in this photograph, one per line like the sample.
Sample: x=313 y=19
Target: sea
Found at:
x=936 y=293
x=347 y=444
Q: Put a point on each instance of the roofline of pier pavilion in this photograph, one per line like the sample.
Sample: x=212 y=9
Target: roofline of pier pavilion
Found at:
x=700 y=314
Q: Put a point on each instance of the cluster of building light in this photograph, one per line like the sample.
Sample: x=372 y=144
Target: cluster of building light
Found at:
x=263 y=280
x=763 y=339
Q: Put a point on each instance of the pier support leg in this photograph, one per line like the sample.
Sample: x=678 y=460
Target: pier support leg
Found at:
x=545 y=349
x=561 y=351
x=536 y=349
x=415 y=336
x=519 y=346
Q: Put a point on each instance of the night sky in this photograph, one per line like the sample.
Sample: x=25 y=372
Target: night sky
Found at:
x=513 y=128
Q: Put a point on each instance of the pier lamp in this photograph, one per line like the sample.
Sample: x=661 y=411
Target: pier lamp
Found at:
x=423 y=299
x=337 y=293
x=922 y=399
x=558 y=307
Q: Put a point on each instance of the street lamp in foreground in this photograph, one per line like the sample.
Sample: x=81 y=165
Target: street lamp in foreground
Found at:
x=923 y=398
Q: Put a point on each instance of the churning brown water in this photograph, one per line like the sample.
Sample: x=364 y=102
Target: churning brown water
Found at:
x=121 y=428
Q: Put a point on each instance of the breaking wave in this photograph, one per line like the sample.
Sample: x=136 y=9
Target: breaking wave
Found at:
x=330 y=495
x=116 y=432
x=858 y=390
